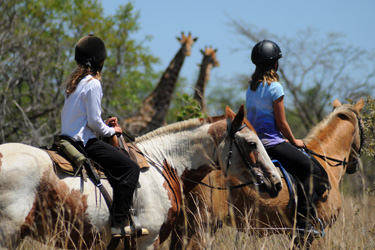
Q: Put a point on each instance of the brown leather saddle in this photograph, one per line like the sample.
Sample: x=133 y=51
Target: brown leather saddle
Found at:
x=64 y=164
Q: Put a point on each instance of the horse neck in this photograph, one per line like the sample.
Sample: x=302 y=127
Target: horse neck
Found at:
x=334 y=141
x=184 y=151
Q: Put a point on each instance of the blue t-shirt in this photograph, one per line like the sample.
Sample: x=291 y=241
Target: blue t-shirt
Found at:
x=259 y=105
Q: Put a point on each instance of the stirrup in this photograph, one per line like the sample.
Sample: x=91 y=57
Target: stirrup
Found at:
x=309 y=230
x=135 y=229
x=128 y=231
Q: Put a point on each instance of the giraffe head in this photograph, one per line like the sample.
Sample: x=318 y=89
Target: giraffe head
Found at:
x=209 y=54
x=187 y=42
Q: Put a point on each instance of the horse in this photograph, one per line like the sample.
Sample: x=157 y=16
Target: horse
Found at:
x=335 y=142
x=49 y=207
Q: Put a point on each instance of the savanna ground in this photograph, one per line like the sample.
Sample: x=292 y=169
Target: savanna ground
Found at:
x=354 y=229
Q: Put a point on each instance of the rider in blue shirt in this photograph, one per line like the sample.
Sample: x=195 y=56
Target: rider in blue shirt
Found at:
x=259 y=104
x=265 y=111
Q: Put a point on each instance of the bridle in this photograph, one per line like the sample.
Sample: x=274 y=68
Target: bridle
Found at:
x=343 y=162
x=231 y=133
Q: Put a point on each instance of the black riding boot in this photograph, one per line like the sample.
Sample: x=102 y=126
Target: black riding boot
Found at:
x=306 y=217
x=122 y=200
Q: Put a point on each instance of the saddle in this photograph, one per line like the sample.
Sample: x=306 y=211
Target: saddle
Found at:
x=73 y=166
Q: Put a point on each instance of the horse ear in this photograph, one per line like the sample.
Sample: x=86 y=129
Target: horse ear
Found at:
x=237 y=122
x=229 y=112
x=336 y=103
x=359 y=105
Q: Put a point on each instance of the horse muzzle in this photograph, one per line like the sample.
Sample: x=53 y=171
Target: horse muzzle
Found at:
x=267 y=184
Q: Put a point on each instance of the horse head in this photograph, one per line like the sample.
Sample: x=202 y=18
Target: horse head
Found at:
x=357 y=142
x=246 y=152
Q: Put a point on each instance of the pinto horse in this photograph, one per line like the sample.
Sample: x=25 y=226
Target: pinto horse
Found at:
x=335 y=141
x=37 y=202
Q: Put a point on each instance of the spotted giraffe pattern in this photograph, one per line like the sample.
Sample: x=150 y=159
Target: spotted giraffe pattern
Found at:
x=208 y=62
x=155 y=107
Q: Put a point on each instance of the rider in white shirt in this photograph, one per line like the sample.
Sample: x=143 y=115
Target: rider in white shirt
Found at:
x=81 y=119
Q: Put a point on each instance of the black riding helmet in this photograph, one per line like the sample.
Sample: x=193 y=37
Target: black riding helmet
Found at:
x=90 y=51
x=265 y=51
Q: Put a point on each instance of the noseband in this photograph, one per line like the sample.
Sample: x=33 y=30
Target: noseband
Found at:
x=231 y=132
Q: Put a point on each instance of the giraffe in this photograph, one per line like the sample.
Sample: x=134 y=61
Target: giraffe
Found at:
x=209 y=61
x=152 y=113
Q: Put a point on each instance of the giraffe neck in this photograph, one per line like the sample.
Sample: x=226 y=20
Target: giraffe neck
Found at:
x=204 y=76
x=157 y=103
x=167 y=82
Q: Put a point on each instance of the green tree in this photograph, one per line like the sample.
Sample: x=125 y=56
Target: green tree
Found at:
x=369 y=127
x=185 y=107
x=37 y=39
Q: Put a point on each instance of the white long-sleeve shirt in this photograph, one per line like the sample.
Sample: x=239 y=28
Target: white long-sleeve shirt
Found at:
x=81 y=114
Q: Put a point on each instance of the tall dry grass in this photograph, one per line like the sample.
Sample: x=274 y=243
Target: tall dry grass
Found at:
x=354 y=229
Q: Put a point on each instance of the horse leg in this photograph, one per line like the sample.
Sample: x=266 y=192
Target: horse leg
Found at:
x=178 y=233
x=197 y=229
x=189 y=224
x=10 y=236
x=301 y=242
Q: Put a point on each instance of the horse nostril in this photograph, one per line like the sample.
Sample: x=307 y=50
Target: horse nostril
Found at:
x=259 y=179
x=278 y=186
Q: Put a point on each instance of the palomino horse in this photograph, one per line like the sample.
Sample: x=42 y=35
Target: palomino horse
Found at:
x=36 y=202
x=336 y=140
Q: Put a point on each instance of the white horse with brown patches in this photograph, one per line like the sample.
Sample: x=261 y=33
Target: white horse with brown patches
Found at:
x=36 y=202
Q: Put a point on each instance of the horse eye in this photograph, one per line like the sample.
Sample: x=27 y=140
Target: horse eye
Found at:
x=252 y=145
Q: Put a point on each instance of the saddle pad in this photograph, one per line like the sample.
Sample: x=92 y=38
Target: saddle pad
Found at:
x=137 y=156
x=65 y=165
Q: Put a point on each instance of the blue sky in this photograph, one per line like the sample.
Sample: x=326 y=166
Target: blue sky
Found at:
x=208 y=20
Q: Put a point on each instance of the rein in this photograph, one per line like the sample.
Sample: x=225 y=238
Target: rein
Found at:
x=323 y=157
x=230 y=187
x=341 y=162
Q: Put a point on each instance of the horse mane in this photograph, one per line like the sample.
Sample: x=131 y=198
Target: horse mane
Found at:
x=346 y=110
x=178 y=126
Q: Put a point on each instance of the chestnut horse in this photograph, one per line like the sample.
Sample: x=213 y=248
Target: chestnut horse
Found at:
x=336 y=140
x=37 y=202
